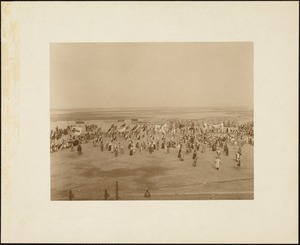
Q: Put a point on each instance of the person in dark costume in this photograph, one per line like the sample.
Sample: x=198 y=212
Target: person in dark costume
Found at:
x=239 y=162
x=179 y=153
x=226 y=150
x=147 y=193
x=194 y=153
x=106 y=195
x=79 y=149
x=195 y=161
x=71 y=195
x=131 y=151
x=150 y=149
x=240 y=150
x=116 y=151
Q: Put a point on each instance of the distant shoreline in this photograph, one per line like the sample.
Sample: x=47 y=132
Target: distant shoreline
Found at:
x=152 y=114
x=150 y=108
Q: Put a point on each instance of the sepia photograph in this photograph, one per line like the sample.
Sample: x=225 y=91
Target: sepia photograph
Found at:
x=151 y=121
x=149 y=109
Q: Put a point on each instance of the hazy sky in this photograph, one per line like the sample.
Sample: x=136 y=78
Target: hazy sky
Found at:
x=95 y=75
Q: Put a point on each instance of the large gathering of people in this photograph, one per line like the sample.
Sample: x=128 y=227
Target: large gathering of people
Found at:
x=184 y=137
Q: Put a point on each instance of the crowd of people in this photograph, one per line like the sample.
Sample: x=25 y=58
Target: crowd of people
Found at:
x=186 y=139
x=64 y=138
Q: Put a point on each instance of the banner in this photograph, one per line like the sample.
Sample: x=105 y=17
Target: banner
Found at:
x=163 y=128
x=232 y=130
x=123 y=128
x=134 y=128
x=138 y=129
x=76 y=130
x=144 y=127
x=112 y=128
x=219 y=127
x=157 y=128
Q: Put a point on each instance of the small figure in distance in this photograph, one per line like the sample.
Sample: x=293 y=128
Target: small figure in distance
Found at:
x=147 y=193
x=71 y=195
x=195 y=158
x=237 y=156
x=195 y=161
x=218 y=160
x=239 y=163
x=226 y=150
x=131 y=151
x=218 y=151
x=238 y=159
x=240 y=149
x=179 y=153
x=79 y=149
x=116 y=150
x=106 y=195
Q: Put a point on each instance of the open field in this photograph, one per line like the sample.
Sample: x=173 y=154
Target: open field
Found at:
x=167 y=178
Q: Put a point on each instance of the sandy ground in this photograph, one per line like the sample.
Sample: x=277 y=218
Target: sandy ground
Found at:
x=167 y=178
